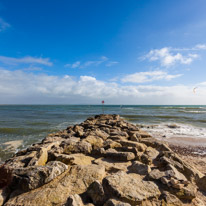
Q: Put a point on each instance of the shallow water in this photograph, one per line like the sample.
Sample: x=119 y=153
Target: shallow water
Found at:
x=31 y=123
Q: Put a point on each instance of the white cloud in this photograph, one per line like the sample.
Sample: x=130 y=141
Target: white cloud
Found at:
x=168 y=58
x=142 y=77
x=25 y=60
x=22 y=87
x=3 y=25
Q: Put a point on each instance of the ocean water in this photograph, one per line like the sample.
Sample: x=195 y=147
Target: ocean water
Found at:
x=31 y=123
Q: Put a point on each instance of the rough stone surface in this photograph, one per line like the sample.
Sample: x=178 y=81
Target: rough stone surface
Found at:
x=96 y=193
x=4 y=192
x=113 y=202
x=130 y=188
x=75 y=181
x=103 y=161
x=33 y=177
x=139 y=168
x=74 y=200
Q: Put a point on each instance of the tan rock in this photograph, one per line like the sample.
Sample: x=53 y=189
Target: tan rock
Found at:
x=96 y=193
x=4 y=193
x=121 y=156
x=71 y=146
x=129 y=188
x=111 y=144
x=151 y=153
x=74 y=200
x=112 y=165
x=114 y=202
x=139 y=168
x=186 y=193
x=171 y=200
x=40 y=159
x=74 y=181
x=127 y=143
x=152 y=142
x=156 y=174
x=169 y=159
x=143 y=134
x=74 y=159
x=31 y=178
x=96 y=142
x=202 y=183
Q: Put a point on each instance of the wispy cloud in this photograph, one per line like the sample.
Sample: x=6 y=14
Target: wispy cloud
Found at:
x=142 y=77
x=25 y=60
x=4 y=25
x=92 y=63
x=74 y=65
x=111 y=63
x=197 y=47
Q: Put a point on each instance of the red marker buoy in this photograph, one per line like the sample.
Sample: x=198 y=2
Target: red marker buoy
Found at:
x=103 y=106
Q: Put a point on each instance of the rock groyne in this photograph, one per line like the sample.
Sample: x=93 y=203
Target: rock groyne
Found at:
x=104 y=161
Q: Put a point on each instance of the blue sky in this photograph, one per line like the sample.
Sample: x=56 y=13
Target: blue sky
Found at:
x=83 y=51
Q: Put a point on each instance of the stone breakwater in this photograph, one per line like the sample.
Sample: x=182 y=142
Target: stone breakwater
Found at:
x=102 y=161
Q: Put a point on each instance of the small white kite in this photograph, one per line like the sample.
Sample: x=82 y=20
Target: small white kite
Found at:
x=194 y=90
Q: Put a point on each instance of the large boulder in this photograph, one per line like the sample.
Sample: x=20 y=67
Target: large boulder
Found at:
x=31 y=178
x=129 y=188
x=74 y=181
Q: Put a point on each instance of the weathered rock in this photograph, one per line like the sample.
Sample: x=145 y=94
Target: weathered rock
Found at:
x=173 y=172
x=156 y=174
x=171 y=200
x=151 y=153
x=144 y=134
x=102 y=147
x=96 y=142
x=139 y=168
x=152 y=142
x=171 y=159
x=127 y=143
x=74 y=181
x=96 y=193
x=111 y=144
x=40 y=158
x=112 y=166
x=74 y=200
x=202 y=183
x=74 y=159
x=121 y=156
x=33 y=177
x=21 y=160
x=101 y=133
x=4 y=193
x=186 y=193
x=129 y=188
x=114 y=202
x=71 y=146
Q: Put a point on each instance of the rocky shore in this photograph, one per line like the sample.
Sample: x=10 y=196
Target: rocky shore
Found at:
x=104 y=161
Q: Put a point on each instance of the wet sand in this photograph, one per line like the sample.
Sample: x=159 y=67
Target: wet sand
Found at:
x=12 y=145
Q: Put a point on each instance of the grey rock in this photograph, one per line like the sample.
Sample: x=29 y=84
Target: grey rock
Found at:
x=139 y=168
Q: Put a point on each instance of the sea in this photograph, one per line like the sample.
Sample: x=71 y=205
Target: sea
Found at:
x=23 y=125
